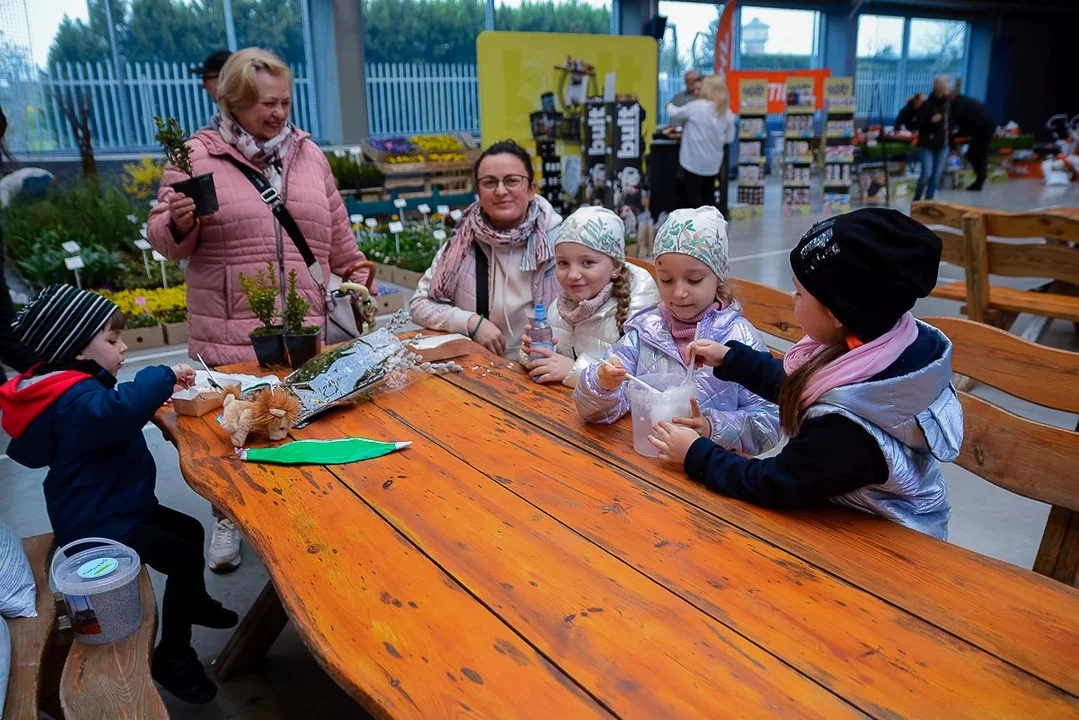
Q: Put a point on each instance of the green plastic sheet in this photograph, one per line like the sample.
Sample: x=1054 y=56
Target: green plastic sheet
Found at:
x=323 y=452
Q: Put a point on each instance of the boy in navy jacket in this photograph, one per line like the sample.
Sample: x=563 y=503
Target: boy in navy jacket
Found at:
x=69 y=414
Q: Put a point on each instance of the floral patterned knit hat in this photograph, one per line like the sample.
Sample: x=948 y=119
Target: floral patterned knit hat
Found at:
x=699 y=233
x=597 y=228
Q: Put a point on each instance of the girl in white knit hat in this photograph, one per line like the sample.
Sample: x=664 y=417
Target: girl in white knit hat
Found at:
x=600 y=291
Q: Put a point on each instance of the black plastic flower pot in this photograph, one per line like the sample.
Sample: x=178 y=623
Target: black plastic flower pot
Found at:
x=201 y=189
x=269 y=348
x=302 y=348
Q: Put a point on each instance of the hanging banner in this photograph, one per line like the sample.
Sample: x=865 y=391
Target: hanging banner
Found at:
x=725 y=40
x=595 y=150
x=777 y=86
x=628 y=158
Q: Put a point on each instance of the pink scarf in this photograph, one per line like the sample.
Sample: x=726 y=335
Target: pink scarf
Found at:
x=575 y=313
x=855 y=366
x=683 y=330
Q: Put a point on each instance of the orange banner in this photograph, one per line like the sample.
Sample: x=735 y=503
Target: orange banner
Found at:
x=725 y=40
x=777 y=83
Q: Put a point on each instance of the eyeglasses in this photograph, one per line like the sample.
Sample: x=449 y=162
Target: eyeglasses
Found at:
x=490 y=183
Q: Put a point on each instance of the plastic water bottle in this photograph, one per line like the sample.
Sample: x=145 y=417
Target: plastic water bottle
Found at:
x=541 y=333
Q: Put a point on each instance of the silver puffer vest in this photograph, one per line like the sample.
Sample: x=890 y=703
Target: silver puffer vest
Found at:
x=917 y=421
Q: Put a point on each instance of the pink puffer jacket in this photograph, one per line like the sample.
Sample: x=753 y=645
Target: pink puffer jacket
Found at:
x=243 y=235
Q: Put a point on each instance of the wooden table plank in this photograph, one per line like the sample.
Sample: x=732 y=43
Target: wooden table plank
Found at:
x=878 y=657
x=637 y=648
x=366 y=602
x=1023 y=618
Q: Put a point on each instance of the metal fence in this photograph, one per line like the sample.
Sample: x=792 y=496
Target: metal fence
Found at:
x=887 y=89
x=122 y=112
x=404 y=99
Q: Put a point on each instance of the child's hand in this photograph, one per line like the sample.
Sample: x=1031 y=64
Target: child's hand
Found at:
x=698 y=422
x=526 y=341
x=551 y=368
x=611 y=374
x=185 y=376
x=672 y=441
x=705 y=352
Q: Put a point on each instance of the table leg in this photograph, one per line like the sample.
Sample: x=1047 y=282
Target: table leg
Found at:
x=253 y=636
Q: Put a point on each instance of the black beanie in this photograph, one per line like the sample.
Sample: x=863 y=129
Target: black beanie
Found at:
x=61 y=321
x=868 y=267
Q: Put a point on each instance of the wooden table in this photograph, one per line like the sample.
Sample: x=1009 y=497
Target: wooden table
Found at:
x=516 y=563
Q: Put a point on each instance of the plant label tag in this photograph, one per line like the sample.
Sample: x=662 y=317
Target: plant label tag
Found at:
x=424 y=209
x=400 y=203
x=443 y=209
x=158 y=257
x=396 y=227
x=74 y=263
x=439 y=235
x=371 y=223
x=142 y=245
x=356 y=218
x=456 y=215
x=71 y=247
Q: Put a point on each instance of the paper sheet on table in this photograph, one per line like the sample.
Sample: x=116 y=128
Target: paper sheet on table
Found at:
x=246 y=382
x=430 y=343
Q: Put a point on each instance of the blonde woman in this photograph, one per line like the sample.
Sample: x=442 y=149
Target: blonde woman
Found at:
x=707 y=125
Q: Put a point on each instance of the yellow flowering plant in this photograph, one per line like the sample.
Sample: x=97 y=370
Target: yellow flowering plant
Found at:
x=147 y=307
x=140 y=180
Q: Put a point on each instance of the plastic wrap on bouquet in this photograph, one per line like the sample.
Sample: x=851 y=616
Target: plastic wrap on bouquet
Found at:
x=346 y=371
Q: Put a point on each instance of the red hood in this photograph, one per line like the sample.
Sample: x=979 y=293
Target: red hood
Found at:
x=25 y=397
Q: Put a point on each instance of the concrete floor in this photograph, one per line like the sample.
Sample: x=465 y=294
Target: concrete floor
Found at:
x=290 y=683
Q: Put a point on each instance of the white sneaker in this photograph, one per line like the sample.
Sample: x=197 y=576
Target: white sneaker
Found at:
x=224 y=546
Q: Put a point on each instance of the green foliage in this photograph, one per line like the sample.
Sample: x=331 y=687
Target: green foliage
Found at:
x=44 y=263
x=351 y=175
x=418 y=248
x=261 y=294
x=295 y=309
x=173 y=142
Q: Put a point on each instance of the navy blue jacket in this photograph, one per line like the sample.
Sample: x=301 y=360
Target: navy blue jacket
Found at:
x=88 y=431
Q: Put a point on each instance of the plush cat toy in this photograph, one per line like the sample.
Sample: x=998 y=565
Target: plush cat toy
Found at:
x=271 y=412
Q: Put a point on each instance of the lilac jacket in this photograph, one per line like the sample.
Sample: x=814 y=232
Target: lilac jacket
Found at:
x=741 y=421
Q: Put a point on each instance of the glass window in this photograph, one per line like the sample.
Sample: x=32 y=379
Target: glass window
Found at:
x=898 y=57
x=774 y=39
x=685 y=46
x=563 y=16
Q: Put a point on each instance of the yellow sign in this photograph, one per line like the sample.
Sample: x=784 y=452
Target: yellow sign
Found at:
x=517 y=69
x=839 y=94
x=753 y=96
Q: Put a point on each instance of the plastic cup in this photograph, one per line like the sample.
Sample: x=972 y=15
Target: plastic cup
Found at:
x=648 y=408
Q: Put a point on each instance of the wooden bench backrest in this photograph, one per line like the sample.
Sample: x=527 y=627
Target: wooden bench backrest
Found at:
x=1049 y=257
x=770 y=310
x=1024 y=456
x=646 y=265
x=31 y=637
x=946 y=217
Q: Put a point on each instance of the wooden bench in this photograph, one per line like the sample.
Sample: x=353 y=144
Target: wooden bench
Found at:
x=965 y=234
x=71 y=680
x=770 y=310
x=1024 y=456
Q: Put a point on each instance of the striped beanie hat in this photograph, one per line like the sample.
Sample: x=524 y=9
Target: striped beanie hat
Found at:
x=61 y=321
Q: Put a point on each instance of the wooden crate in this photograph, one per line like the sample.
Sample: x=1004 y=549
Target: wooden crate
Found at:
x=142 y=338
x=176 y=333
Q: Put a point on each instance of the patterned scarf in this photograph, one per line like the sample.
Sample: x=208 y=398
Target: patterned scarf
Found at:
x=576 y=313
x=266 y=154
x=474 y=227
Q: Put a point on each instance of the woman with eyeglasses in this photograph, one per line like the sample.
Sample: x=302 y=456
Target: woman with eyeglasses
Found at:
x=499 y=263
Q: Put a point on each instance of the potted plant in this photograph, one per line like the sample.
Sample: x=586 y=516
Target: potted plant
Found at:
x=302 y=342
x=174 y=143
x=261 y=293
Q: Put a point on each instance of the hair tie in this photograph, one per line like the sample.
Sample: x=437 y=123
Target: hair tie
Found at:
x=853 y=342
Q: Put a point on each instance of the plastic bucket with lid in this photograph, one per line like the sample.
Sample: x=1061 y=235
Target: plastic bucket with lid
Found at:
x=101 y=589
x=648 y=408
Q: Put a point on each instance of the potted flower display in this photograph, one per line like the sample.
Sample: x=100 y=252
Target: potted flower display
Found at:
x=302 y=342
x=261 y=293
x=174 y=143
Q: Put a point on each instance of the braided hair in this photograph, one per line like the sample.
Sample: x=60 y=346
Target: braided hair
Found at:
x=620 y=292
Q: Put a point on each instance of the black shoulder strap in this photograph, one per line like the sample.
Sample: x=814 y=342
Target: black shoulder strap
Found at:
x=272 y=198
x=483 y=298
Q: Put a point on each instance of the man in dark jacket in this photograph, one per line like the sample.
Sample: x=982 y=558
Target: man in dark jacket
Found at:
x=931 y=122
x=905 y=119
x=972 y=119
x=70 y=415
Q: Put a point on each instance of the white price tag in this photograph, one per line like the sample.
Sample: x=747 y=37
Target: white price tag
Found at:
x=158 y=257
x=456 y=215
x=424 y=209
x=74 y=263
x=396 y=227
x=443 y=209
x=356 y=218
x=399 y=203
x=142 y=245
x=132 y=219
x=71 y=247
x=439 y=235
x=142 y=231
x=371 y=223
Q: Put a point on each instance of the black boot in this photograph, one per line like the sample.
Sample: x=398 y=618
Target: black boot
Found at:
x=181 y=673
x=214 y=615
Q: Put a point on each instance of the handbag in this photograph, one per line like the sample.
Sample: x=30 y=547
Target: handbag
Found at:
x=348 y=310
